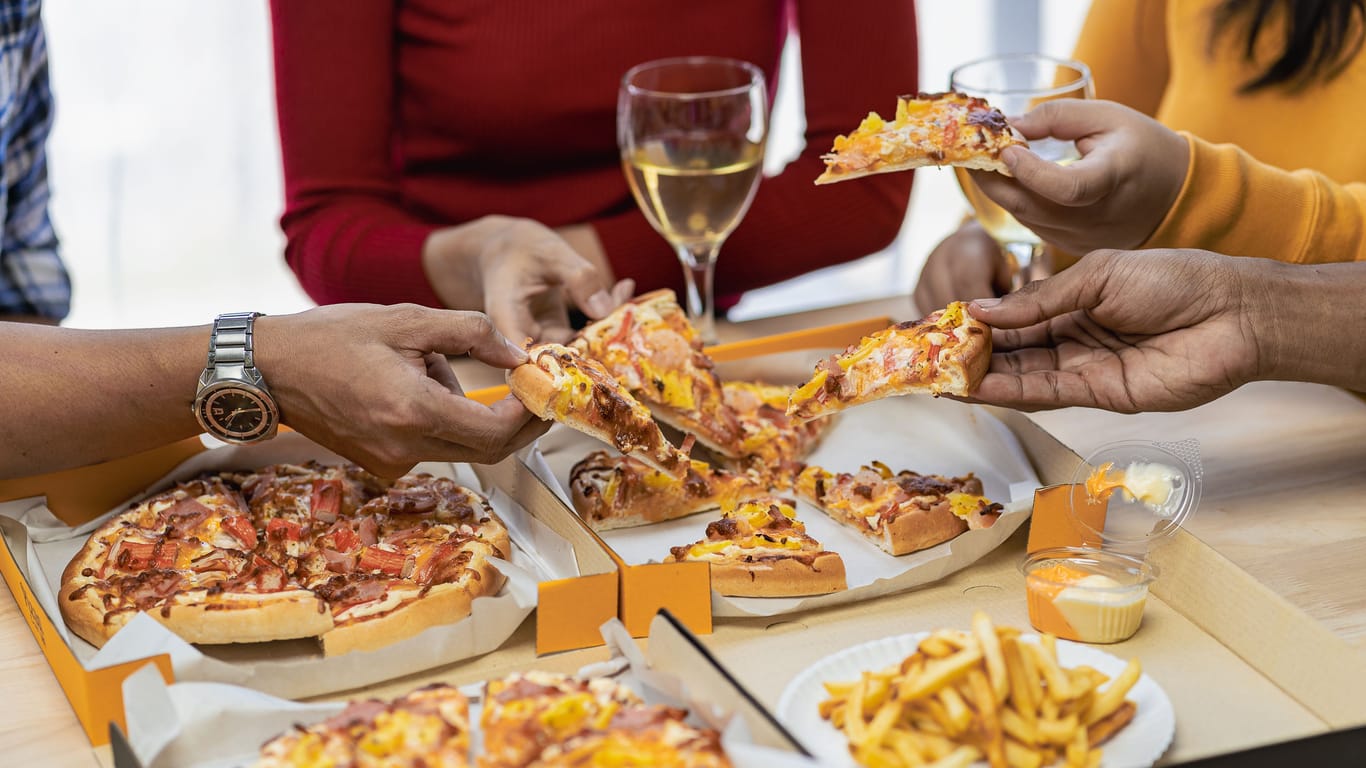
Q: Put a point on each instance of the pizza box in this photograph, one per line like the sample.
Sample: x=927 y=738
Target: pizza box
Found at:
x=949 y=438
x=197 y=725
x=44 y=520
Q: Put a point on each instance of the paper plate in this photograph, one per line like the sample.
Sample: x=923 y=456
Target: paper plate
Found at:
x=1139 y=744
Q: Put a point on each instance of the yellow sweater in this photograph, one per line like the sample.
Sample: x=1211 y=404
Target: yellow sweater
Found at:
x=1273 y=174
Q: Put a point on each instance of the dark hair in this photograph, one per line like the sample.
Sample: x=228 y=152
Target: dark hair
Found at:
x=1321 y=38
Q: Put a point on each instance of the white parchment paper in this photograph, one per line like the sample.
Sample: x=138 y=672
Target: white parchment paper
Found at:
x=926 y=435
x=214 y=725
x=292 y=668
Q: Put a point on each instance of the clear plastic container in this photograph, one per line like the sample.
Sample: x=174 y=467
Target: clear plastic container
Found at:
x=1169 y=477
x=1088 y=595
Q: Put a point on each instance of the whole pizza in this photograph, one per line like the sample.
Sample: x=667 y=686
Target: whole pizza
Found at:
x=289 y=551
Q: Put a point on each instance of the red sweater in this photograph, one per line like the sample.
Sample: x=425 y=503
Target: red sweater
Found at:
x=397 y=118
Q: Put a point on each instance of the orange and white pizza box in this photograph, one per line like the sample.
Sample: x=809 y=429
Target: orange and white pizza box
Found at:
x=197 y=725
x=922 y=434
x=42 y=534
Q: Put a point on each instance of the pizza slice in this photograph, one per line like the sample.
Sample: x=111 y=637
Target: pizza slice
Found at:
x=428 y=727
x=641 y=737
x=946 y=353
x=187 y=558
x=528 y=711
x=620 y=492
x=929 y=129
x=903 y=512
x=651 y=348
x=414 y=558
x=560 y=383
x=773 y=445
x=760 y=549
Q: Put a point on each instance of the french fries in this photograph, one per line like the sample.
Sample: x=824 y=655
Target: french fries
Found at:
x=983 y=694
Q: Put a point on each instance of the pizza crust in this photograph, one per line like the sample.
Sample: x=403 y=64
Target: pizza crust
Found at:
x=917 y=529
x=981 y=163
x=442 y=604
x=779 y=578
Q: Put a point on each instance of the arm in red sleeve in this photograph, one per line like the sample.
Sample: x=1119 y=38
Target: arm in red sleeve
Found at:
x=348 y=238
x=857 y=56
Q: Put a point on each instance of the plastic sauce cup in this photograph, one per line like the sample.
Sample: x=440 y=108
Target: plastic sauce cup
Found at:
x=1087 y=595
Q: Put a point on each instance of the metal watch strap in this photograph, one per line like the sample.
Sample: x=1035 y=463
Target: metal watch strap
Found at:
x=230 y=348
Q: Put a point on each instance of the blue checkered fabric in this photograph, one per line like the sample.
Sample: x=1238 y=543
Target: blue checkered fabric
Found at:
x=33 y=280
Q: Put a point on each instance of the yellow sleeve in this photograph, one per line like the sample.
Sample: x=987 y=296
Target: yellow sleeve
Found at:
x=1124 y=42
x=1233 y=204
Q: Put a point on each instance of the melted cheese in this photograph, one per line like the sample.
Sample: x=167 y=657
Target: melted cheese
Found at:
x=964 y=504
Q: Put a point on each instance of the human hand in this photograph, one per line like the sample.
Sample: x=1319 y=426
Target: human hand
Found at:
x=1126 y=331
x=522 y=274
x=967 y=264
x=372 y=383
x=1130 y=172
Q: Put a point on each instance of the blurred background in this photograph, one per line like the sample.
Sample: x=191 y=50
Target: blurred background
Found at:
x=165 y=172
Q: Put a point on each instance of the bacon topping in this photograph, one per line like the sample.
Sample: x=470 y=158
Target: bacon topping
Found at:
x=185 y=515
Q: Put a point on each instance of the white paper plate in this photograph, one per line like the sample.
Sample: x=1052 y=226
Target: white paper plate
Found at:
x=1140 y=743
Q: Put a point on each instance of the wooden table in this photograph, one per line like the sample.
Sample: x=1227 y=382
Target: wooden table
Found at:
x=1285 y=480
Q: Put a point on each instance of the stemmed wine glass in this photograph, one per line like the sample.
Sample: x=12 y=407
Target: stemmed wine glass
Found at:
x=691 y=132
x=1016 y=83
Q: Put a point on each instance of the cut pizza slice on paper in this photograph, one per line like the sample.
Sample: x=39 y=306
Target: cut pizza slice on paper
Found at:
x=903 y=512
x=562 y=384
x=760 y=549
x=621 y=492
x=430 y=726
x=651 y=348
x=946 y=353
x=929 y=129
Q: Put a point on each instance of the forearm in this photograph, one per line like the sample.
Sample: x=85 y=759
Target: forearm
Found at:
x=1232 y=203
x=1307 y=320
x=79 y=397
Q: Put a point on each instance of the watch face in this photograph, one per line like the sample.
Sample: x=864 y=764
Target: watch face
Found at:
x=236 y=414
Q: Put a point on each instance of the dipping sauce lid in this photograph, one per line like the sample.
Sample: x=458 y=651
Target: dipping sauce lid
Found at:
x=1132 y=524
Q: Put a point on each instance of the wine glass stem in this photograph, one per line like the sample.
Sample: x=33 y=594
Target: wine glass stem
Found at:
x=699 y=266
x=1027 y=263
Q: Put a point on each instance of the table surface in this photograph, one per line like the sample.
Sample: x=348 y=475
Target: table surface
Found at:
x=1285 y=475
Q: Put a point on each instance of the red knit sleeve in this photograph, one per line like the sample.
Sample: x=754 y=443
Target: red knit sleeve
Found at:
x=348 y=239
x=857 y=56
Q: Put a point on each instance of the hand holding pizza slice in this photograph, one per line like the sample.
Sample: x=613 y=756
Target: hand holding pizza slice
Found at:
x=929 y=129
x=946 y=353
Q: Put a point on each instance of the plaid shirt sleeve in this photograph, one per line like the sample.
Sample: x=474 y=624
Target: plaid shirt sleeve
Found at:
x=33 y=280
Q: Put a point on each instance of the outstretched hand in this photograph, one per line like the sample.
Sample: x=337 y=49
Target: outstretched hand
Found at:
x=372 y=383
x=1124 y=331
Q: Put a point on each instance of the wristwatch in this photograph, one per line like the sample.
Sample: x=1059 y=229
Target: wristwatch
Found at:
x=233 y=403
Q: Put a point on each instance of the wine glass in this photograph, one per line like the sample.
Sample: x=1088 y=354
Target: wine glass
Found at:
x=1016 y=83
x=691 y=132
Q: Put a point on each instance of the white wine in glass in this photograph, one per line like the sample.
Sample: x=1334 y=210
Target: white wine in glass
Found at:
x=1016 y=83
x=692 y=132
